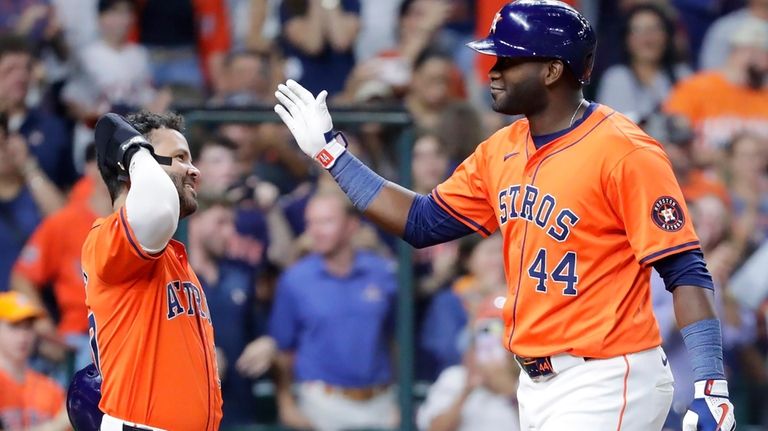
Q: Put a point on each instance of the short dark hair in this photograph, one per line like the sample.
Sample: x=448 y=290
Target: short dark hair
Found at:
x=144 y=122
x=106 y=5
x=12 y=44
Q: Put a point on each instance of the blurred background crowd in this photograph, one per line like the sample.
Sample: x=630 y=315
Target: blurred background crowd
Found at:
x=303 y=293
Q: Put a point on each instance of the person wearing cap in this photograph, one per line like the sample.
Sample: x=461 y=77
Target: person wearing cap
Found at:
x=732 y=99
x=478 y=394
x=28 y=400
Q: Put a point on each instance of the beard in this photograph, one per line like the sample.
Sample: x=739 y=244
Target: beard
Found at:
x=527 y=97
x=187 y=198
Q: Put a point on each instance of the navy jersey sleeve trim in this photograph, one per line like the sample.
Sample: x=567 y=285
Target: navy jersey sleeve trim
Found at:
x=684 y=269
x=666 y=251
x=458 y=215
x=429 y=224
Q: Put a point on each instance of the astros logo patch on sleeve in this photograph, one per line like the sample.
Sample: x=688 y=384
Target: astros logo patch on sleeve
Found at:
x=667 y=214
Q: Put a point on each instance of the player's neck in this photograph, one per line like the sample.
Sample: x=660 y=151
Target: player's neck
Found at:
x=119 y=201
x=557 y=116
x=340 y=261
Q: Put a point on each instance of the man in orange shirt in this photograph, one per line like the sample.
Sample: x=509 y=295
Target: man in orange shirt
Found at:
x=28 y=399
x=587 y=205
x=723 y=103
x=149 y=322
x=52 y=256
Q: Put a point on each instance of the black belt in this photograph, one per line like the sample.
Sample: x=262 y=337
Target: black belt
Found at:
x=538 y=368
x=127 y=427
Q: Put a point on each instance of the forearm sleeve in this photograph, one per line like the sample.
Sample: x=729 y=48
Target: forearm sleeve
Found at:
x=152 y=204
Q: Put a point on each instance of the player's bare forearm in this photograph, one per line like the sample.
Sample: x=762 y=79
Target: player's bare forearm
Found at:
x=284 y=377
x=692 y=304
x=389 y=210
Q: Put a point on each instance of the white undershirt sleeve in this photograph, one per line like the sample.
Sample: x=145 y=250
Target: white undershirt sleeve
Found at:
x=152 y=204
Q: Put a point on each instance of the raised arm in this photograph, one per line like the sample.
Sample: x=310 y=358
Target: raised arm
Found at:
x=416 y=218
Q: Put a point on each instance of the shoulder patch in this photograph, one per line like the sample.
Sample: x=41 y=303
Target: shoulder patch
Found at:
x=667 y=214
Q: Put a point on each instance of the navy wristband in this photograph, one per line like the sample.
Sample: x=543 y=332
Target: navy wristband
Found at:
x=358 y=181
x=705 y=347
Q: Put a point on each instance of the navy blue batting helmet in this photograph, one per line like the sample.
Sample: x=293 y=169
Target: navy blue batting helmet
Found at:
x=83 y=399
x=542 y=29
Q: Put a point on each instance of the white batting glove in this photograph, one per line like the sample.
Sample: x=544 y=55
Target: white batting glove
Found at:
x=309 y=121
x=710 y=410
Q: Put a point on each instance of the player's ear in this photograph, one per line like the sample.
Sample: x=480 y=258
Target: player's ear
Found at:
x=554 y=69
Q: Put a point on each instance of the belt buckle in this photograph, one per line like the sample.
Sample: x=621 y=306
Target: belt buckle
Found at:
x=538 y=369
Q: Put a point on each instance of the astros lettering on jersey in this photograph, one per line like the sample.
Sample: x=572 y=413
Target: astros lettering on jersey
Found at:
x=151 y=332
x=581 y=226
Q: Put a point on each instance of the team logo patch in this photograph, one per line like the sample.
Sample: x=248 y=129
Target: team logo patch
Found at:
x=667 y=214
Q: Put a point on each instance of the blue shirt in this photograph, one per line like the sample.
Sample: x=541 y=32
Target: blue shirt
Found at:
x=18 y=219
x=340 y=328
x=327 y=70
x=444 y=320
x=235 y=324
x=50 y=142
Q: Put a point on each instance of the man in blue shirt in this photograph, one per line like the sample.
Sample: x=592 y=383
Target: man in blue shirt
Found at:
x=332 y=320
x=47 y=137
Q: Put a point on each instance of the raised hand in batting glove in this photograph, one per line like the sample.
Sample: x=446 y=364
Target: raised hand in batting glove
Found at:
x=309 y=121
x=117 y=141
x=710 y=410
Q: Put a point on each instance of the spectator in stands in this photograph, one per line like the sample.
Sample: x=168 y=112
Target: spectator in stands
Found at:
x=650 y=68
x=230 y=289
x=459 y=127
x=675 y=134
x=318 y=38
x=248 y=80
x=481 y=276
x=261 y=229
x=748 y=183
x=48 y=139
x=187 y=42
x=28 y=400
x=716 y=47
x=332 y=320
x=479 y=394
x=263 y=150
x=721 y=103
x=113 y=74
x=51 y=257
x=26 y=196
x=436 y=265
x=434 y=85
x=254 y=24
x=387 y=74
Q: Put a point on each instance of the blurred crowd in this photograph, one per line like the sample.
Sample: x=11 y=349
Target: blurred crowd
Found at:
x=302 y=291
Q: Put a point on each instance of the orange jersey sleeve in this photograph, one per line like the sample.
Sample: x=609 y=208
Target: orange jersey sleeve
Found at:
x=120 y=256
x=465 y=194
x=654 y=213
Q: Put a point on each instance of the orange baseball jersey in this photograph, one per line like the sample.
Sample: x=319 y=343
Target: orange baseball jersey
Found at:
x=52 y=255
x=35 y=400
x=719 y=109
x=151 y=332
x=582 y=219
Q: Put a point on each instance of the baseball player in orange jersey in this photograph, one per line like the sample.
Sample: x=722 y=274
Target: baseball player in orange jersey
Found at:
x=152 y=338
x=587 y=204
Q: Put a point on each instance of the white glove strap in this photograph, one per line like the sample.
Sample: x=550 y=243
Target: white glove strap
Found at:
x=717 y=388
x=330 y=152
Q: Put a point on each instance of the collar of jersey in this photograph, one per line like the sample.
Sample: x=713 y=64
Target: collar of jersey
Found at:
x=594 y=114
